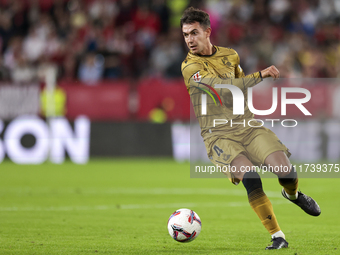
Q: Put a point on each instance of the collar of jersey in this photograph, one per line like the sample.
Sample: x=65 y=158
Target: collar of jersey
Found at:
x=207 y=55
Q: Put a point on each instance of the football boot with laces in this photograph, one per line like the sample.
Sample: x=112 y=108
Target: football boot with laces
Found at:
x=278 y=243
x=306 y=203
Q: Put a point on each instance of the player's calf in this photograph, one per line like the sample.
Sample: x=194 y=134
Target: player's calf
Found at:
x=290 y=184
x=260 y=203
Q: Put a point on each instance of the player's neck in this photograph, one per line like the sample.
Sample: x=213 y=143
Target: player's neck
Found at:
x=209 y=50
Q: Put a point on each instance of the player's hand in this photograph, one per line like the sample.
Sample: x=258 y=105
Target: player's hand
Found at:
x=271 y=71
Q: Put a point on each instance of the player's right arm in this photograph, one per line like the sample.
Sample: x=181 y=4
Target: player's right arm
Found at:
x=192 y=70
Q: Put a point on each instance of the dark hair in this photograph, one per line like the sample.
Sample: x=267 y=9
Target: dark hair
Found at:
x=192 y=15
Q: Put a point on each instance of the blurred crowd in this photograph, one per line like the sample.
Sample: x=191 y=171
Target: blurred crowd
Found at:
x=92 y=40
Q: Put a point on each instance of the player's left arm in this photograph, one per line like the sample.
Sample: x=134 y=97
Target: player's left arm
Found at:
x=250 y=77
x=271 y=71
x=240 y=74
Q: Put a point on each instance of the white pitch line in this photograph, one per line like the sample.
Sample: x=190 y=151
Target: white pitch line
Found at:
x=130 y=206
x=135 y=191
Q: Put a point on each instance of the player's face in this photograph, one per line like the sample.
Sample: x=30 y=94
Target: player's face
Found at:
x=196 y=37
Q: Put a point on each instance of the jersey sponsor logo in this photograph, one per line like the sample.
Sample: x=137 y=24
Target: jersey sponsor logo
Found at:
x=197 y=77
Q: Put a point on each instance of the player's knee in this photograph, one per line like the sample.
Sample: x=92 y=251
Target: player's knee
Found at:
x=285 y=171
x=239 y=175
x=238 y=163
x=252 y=181
x=277 y=158
x=278 y=163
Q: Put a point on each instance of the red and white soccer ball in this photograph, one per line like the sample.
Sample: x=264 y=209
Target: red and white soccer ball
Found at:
x=184 y=225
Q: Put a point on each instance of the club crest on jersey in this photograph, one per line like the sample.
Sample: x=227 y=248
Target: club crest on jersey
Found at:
x=225 y=61
x=197 y=77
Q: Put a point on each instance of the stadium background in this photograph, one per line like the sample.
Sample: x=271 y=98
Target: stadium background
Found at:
x=118 y=63
x=83 y=80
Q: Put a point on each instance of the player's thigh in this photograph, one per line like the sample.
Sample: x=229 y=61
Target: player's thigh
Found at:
x=261 y=143
x=222 y=152
x=241 y=165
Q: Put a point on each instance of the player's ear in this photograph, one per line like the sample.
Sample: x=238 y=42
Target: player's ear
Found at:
x=208 y=32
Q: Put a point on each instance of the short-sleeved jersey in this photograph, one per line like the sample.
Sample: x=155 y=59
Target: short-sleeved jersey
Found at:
x=202 y=73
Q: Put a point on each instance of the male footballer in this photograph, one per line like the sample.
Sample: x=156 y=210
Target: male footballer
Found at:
x=239 y=145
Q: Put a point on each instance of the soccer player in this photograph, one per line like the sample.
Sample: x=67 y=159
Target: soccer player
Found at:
x=238 y=145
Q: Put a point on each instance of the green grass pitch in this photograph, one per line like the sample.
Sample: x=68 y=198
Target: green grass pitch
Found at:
x=121 y=206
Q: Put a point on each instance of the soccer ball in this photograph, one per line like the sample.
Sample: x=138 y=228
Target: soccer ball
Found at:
x=184 y=225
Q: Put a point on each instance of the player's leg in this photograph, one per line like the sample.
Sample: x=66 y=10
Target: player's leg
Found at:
x=265 y=148
x=228 y=152
x=285 y=171
x=258 y=200
x=289 y=181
